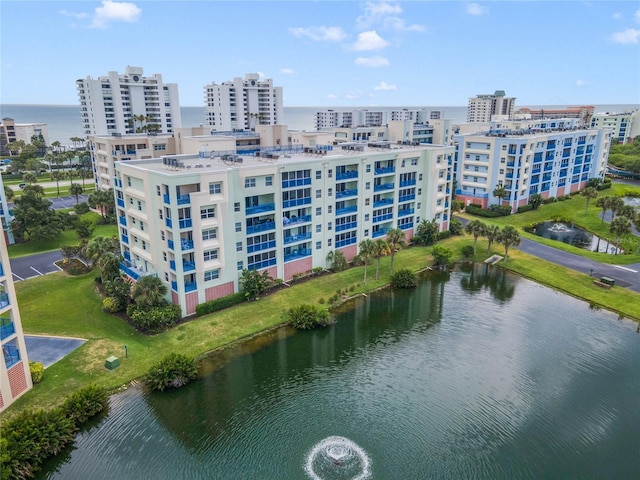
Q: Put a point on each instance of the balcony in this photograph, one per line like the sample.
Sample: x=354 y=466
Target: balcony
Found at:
x=125 y=239
x=120 y=202
x=7 y=329
x=123 y=221
x=548 y=167
x=296 y=202
x=190 y=286
x=382 y=218
x=261 y=227
x=511 y=164
x=188 y=266
x=347 y=193
x=172 y=265
x=385 y=201
x=346 y=226
x=126 y=255
x=132 y=272
x=380 y=233
x=11 y=355
x=296 y=220
x=184 y=199
x=509 y=175
x=383 y=187
x=408 y=183
x=170 y=244
x=174 y=285
x=346 y=210
x=402 y=198
x=347 y=175
x=260 y=265
x=166 y=198
x=168 y=222
x=265 y=207
x=186 y=223
x=297 y=254
x=298 y=182
x=406 y=211
x=407 y=226
x=345 y=242
x=385 y=170
x=297 y=238
x=257 y=247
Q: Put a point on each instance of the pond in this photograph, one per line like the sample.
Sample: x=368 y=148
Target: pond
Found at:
x=473 y=374
x=572 y=235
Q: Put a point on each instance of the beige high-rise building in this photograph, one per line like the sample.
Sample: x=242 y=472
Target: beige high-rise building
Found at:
x=482 y=108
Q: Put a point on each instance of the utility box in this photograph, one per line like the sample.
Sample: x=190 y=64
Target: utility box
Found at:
x=112 y=363
x=608 y=281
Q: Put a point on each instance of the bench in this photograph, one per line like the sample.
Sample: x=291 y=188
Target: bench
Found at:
x=600 y=284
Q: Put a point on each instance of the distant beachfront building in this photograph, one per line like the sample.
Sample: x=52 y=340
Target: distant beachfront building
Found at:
x=328 y=119
x=15 y=376
x=196 y=221
x=625 y=126
x=584 y=113
x=10 y=132
x=549 y=157
x=128 y=103
x=5 y=216
x=243 y=103
x=483 y=108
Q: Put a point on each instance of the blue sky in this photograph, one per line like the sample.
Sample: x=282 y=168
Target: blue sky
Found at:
x=331 y=53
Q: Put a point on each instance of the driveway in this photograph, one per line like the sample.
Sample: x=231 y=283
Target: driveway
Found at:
x=35 y=265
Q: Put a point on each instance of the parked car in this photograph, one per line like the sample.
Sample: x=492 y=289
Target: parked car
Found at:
x=22 y=185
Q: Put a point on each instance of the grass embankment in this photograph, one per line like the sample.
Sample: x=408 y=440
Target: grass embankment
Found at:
x=70 y=306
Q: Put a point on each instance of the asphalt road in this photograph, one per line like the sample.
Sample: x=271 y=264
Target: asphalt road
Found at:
x=35 y=265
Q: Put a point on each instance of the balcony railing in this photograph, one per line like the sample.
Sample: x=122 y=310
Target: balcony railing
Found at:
x=11 y=355
x=383 y=202
x=130 y=271
x=384 y=186
x=385 y=170
x=380 y=233
x=168 y=222
x=123 y=221
x=184 y=199
x=347 y=175
x=265 y=207
x=120 y=202
x=174 y=285
x=126 y=255
x=382 y=218
x=188 y=266
x=297 y=238
x=172 y=265
x=260 y=265
x=257 y=247
x=345 y=242
x=406 y=211
x=296 y=202
x=296 y=220
x=7 y=329
x=186 y=244
x=297 y=254
x=125 y=239
x=345 y=210
x=170 y=244
x=408 y=183
x=298 y=182
x=261 y=227
x=186 y=223
x=406 y=226
x=403 y=198
x=166 y=198
x=346 y=226
x=347 y=193
x=190 y=286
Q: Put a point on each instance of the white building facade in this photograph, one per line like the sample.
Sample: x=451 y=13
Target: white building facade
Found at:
x=196 y=222
x=625 y=126
x=15 y=375
x=10 y=132
x=243 y=103
x=482 y=108
x=328 y=119
x=128 y=103
x=550 y=162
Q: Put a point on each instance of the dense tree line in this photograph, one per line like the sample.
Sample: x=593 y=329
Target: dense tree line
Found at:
x=626 y=156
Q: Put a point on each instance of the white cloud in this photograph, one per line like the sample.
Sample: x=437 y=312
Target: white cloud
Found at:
x=332 y=96
x=350 y=96
x=375 y=61
x=77 y=16
x=629 y=36
x=476 y=9
x=369 y=41
x=580 y=83
x=617 y=16
x=287 y=71
x=115 y=12
x=636 y=16
x=385 y=14
x=320 y=34
x=385 y=86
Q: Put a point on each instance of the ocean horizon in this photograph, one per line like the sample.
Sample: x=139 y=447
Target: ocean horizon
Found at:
x=64 y=121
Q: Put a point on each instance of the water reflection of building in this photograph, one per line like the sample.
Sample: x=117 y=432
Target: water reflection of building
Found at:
x=15 y=376
x=482 y=277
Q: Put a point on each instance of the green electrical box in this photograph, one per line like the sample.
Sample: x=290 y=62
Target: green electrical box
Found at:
x=112 y=363
x=608 y=281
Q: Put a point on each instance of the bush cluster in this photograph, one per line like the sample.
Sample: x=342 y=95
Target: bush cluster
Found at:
x=155 y=319
x=467 y=251
x=37 y=372
x=32 y=437
x=81 y=208
x=220 y=303
x=306 y=317
x=404 y=278
x=491 y=212
x=525 y=208
x=173 y=371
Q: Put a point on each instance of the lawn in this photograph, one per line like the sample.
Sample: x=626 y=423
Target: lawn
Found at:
x=57 y=304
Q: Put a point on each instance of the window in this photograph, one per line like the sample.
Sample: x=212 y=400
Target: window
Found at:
x=318 y=245
x=330 y=209
x=211 y=275
x=330 y=191
x=208 y=212
x=318 y=193
x=238 y=246
x=414 y=162
x=166 y=277
x=144 y=245
x=236 y=207
x=215 y=188
x=318 y=228
x=162 y=235
x=403 y=163
x=238 y=227
x=329 y=242
x=329 y=225
x=240 y=266
x=368 y=169
x=366 y=217
x=139 y=205
x=158 y=191
x=318 y=211
x=210 y=254
x=419 y=191
x=367 y=186
x=366 y=232
x=367 y=201
x=249 y=182
x=160 y=214
x=330 y=173
x=209 y=234
x=318 y=174
x=268 y=181
x=164 y=256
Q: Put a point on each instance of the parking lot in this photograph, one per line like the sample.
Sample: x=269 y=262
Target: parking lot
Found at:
x=35 y=265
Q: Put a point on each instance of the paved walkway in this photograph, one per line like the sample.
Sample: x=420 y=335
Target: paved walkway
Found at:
x=48 y=350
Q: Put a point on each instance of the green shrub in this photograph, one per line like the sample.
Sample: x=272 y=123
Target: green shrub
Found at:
x=81 y=208
x=455 y=226
x=306 y=317
x=404 y=278
x=173 y=371
x=85 y=403
x=154 y=319
x=321 y=300
x=492 y=212
x=467 y=251
x=443 y=235
x=220 y=303
x=37 y=371
x=110 y=305
x=525 y=208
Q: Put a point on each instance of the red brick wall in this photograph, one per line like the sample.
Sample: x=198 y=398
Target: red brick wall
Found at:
x=408 y=234
x=17 y=379
x=349 y=251
x=1 y=401
x=174 y=298
x=272 y=272
x=218 y=291
x=561 y=191
x=191 y=302
x=299 y=266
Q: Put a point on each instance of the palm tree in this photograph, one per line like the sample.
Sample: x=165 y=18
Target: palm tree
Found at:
x=9 y=193
x=100 y=246
x=380 y=249
x=604 y=203
x=620 y=226
x=29 y=178
x=500 y=192
x=16 y=146
x=396 y=241
x=149 y=292
x=475 y=228
x=366 y=252
x=508 y=236
x=491 y=232
x=615 y=206
x=56 y=176
x=76 y=190
x=589 y=194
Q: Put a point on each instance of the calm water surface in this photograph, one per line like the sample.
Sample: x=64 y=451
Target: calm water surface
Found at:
x=475 y=374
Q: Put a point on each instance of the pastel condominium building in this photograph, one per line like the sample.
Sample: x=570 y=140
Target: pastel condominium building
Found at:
x=548 y=157
x=198 y=220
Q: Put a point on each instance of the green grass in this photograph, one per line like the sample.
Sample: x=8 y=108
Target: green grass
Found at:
x=68 y=237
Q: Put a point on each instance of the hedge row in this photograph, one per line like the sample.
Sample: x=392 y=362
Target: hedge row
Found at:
x=492 y=212
x=220 y=303
x=32 y=437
